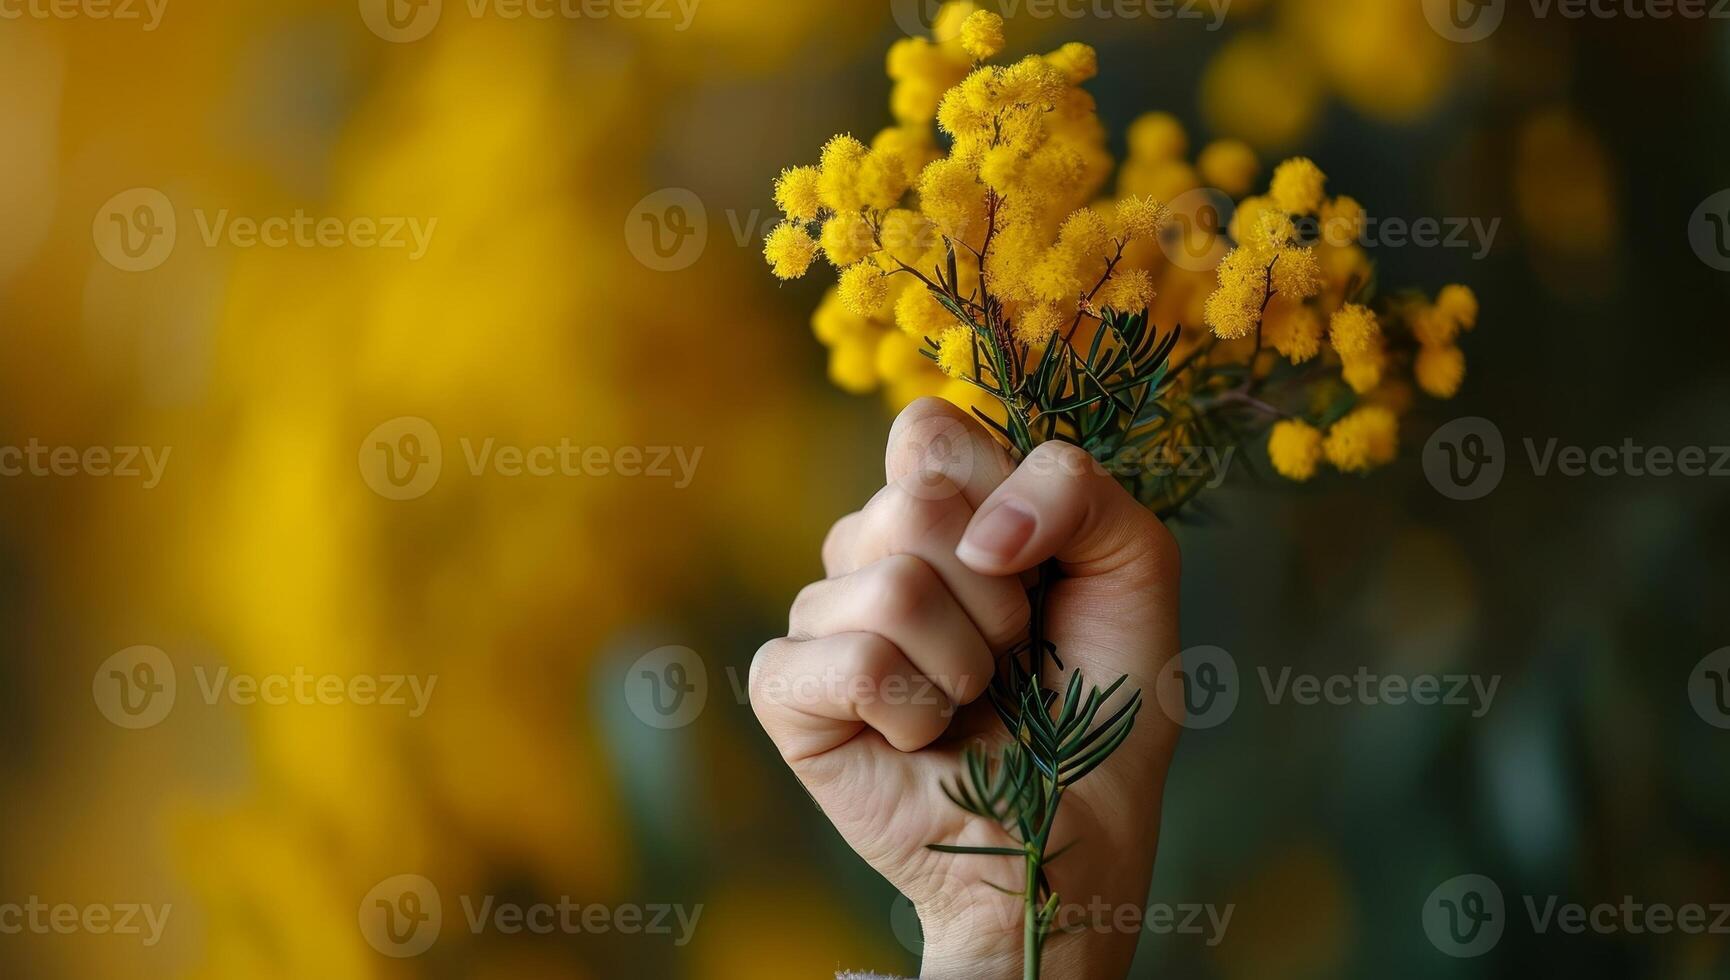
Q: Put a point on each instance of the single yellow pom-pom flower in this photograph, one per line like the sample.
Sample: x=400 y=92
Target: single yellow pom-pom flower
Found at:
x=1085 y=232
x=1342 y=221
x=1440 y=370
x=789 y=249
x=955 y=352
x=1432 y=327
x=832 y=322
x=863 y=288
x=1365 y=438
x=1127 y=291
x=1297 y=274
x=1293 y=329
x=1229 y=165
x=1248 y=217
x=1078 y=62
x=982 y=34
x=952 y=197
x=1142 y=217
x=1274 y=231
x=796 y=193
x=1297 y=186
x=1036 y=322
x=853 y=365
x=1354 y=330
x=1231 y=313
x=1157 y=136
x=1056 y=276
x=1363 y=372
x=838 y=173
x=1460 y=304
x=882 y=179
x=847 y=238
x=919 y=314
x=1295 y=448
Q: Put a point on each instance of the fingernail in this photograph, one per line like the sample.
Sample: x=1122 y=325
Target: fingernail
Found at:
x=997 y=535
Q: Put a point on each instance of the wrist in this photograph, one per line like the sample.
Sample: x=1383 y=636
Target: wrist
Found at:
x=1084 y=955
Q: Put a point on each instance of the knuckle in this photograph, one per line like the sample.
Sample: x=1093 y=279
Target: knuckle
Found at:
x=804 y=604
x=901 y=588
x=836 y=541
x=762 y=664
x=1156 y=548
x=867 y=658
x=1007 y=621
x=903 y=518
x=1063 y=460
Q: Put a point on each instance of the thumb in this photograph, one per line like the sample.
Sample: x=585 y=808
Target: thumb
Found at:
x=1060 y=503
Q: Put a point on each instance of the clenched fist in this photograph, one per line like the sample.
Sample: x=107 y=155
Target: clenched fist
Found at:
x=877 y=687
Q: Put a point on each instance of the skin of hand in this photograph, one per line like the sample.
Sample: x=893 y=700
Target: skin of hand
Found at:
x=877 y=687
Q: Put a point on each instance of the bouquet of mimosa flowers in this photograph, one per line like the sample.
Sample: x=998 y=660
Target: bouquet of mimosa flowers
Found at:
x=979 y=257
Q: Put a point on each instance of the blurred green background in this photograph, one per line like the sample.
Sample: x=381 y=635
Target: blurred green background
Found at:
x=267 y=546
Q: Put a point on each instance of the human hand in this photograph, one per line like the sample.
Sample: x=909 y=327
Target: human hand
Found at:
x=876 y=690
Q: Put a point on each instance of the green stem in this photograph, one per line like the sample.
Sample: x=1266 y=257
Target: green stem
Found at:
x=1030 y=941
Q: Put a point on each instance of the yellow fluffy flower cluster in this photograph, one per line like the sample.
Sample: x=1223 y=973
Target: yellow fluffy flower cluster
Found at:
x=1014 y=200
x=1296 y=278
x=973 y=231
